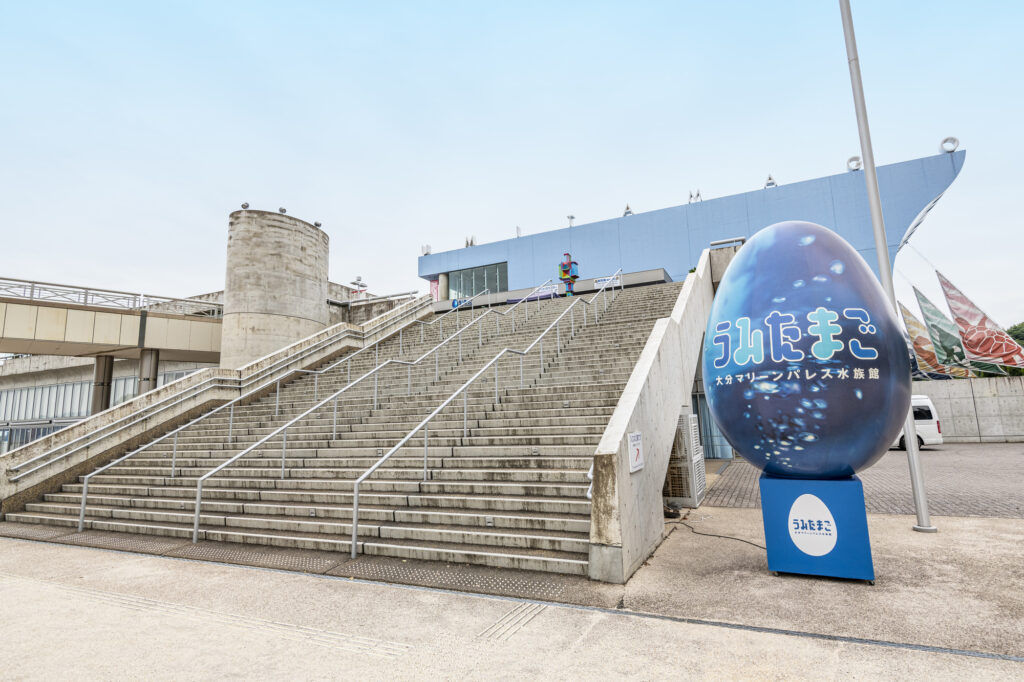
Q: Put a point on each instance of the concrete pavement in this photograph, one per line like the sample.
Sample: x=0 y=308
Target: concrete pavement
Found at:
x=98 y=614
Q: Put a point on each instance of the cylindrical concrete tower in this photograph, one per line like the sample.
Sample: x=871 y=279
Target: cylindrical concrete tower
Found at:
x=275 y=291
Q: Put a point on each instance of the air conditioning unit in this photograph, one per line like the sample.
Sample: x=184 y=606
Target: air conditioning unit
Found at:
x=686 y=481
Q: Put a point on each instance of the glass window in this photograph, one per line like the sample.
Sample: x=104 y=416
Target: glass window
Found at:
x=922 y=412
x=472 y=281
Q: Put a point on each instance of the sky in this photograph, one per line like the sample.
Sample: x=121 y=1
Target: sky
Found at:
x=129 y=131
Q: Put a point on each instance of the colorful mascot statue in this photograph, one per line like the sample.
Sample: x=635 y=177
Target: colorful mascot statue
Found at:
x=568 y=272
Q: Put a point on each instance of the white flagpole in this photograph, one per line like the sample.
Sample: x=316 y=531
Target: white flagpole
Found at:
x=881 y=247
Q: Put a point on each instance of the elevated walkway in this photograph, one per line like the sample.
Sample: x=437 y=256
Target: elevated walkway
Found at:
x=42 y=318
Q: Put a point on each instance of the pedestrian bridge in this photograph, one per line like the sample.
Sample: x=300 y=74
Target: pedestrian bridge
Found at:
x=42 y=318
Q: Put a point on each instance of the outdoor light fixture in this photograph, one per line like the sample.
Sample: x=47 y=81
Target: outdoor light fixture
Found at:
x=316 y=224
x=853 y=163
x=695 y=196
x=949 y=145
x=281 y=210
x=627 y=212
x=245 y=205
x=571 y=218
x=770 y=182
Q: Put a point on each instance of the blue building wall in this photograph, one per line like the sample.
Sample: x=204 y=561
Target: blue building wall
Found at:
x=673 y=238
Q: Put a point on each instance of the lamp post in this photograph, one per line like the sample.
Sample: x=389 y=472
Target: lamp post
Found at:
x=881 y=247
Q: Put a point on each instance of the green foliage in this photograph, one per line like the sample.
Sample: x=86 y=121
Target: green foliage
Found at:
x=1017 y=332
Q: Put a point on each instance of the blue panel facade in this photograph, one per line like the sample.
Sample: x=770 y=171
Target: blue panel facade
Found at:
x=673 y=238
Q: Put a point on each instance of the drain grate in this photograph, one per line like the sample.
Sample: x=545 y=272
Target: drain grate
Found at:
x=241 y=555
x=459 y=578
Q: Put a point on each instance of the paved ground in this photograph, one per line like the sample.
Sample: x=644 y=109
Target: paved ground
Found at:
x=88 y=613
x=948 y=605
x=961 y=480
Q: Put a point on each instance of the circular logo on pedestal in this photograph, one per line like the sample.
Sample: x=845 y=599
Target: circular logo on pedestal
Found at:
x=811 y=526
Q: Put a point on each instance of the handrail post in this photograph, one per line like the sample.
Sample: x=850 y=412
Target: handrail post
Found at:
x=521 y=371
x=195 y=522
x=355 y=515
x=400 y=331
x=284 y=446
x=408 y=390
x=277 y=400
x=572 y=320
x=435 y=365
x=231 y=430
x=174 y=454
x=348 y=379
x=316 y=386
x=376 y=353
x=375 y=375
x=542 y=353
x=81 y=513
x=558 y=335
x=460 y=347
x=495 y=382
x=465 y=410
x=480 y=334
x=426 y=434
x=421 y=333
x=334 y=432
x=584 y=314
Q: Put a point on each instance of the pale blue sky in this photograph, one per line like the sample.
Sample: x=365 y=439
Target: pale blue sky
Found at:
x=130 y=130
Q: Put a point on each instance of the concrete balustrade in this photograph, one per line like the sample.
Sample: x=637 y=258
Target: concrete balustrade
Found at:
x=626 y=508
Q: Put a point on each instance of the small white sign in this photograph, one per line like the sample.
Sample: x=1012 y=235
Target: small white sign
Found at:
x=636 y=451
x=546 y=289
x=615 y=281
x=811 y=526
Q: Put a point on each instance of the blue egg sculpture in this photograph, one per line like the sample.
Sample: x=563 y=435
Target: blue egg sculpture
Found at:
x=805 y=366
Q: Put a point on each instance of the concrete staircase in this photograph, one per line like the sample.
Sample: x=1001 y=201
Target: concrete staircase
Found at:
x=509 y=493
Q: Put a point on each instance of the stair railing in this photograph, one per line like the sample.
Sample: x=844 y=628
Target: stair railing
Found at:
x=335 y=397
x=211 y=383
x=464 y=389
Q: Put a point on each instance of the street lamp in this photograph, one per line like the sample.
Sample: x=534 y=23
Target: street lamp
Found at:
x=882 y=249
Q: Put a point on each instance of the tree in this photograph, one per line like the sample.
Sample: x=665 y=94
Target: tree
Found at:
x=1017 y=332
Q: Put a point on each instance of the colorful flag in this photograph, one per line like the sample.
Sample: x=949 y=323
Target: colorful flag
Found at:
x=927 y=360
x=946 y=340
x=983 y=339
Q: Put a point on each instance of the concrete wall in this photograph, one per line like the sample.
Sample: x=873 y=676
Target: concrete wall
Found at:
x=275 y=289
x=989 y=410
x=626 y=513
x=673 y=238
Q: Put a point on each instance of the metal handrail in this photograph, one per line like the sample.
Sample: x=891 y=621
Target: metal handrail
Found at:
x=464 y=390
x=205 y=385
x=283 y=430
x=401 y=336
x=104 y=298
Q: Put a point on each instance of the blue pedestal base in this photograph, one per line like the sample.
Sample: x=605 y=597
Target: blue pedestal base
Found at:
x=816 y=527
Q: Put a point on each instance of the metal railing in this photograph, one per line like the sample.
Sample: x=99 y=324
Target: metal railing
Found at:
x=464 y=391
x=106 y=298
x=211 y=383
x=283 y=430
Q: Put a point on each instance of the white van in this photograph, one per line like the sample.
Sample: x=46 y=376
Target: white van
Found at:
x=926 y=421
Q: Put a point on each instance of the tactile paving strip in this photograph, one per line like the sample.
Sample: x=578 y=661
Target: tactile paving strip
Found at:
x=31 y=531
x=126 y=542
x=459 y=578
x=228 y=554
